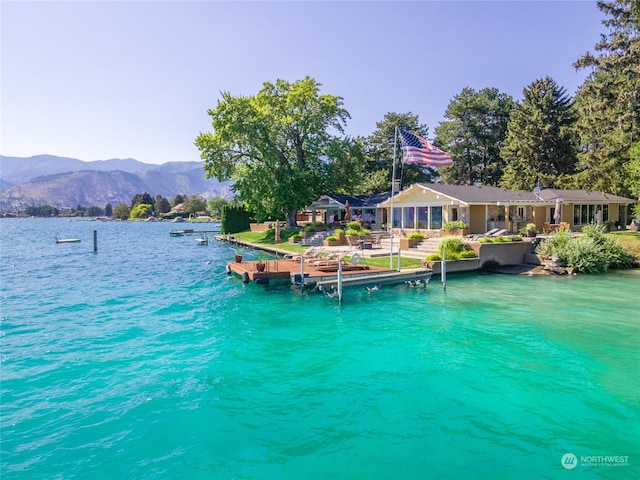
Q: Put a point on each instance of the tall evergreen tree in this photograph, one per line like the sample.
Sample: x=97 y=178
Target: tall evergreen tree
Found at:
x=608 y=102
x=161 y=205
x=540 y=145
x=473 y=134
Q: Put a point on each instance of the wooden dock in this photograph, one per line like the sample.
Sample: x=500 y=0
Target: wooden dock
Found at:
x=287 y=270
x=191 y=231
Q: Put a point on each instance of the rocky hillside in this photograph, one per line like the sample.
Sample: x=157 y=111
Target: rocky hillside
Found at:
x=65 y=182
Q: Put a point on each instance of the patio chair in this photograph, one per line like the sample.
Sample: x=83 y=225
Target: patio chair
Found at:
x=366 y=241
x=353 y=241
x=376 y=241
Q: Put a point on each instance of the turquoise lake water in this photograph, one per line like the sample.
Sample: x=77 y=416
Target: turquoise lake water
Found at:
x=145 y=360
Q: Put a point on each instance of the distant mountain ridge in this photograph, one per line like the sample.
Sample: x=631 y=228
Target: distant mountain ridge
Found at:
x=67 y=182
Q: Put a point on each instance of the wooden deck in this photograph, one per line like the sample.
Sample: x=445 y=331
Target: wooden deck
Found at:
x=289 y=269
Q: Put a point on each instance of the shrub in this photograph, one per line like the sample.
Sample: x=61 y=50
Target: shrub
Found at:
x=354 y=225
x=309 y=228
x=585 y=255
x=434 y=257
x=332 y=238
x=531 y=227
x=467 y=254
x=555 y=245
x=338 y=231
x=455 y=225
x=616 y=255
x=513 y=238
x=486 y=240
x=364 y=231
x=613 y=250
x=416 y=236
x=296 y=235
x=352 y=232
x=452 y=246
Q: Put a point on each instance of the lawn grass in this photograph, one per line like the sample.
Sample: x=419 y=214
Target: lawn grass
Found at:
x=629 y=240
x=267 y=239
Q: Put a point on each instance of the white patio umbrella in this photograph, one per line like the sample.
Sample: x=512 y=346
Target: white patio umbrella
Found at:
x=557 y=215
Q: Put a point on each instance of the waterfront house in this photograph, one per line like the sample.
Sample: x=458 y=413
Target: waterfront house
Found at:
x=427 y=207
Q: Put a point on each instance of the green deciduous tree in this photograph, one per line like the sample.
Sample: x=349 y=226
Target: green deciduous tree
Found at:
x=141 y=210
x=215 y=206
x=540 y=145
x=608 y=102
x=122 y=211
x=194 y=204
x=161 y=205
x=279 y=146
x=473 y=134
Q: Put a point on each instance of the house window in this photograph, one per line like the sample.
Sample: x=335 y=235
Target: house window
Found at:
x=521 y=213
x=454 y=214
x=585 y=214
x=423 y=217
x=408 y=220
x=397 y=217
x=436 y=218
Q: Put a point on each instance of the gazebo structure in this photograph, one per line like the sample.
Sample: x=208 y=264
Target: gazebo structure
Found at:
x=331 y=209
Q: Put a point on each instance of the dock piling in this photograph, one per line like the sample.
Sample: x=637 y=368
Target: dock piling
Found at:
x=95 y=240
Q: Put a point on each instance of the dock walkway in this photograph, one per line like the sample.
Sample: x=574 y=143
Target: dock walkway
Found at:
x=191 y=231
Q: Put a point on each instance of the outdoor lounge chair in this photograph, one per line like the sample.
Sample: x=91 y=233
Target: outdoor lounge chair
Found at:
x=499 y=233
x=476 y=236
x=310 y=254
x=329 y=260
x=376 y=241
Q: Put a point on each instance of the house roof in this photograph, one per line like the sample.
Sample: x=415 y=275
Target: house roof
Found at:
x=336 y=200
x=582 y=196
x=482 y=195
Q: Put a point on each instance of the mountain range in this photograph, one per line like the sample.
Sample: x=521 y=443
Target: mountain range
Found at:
x=68 y=182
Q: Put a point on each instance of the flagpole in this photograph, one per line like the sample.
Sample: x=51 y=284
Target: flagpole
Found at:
x=393 y=182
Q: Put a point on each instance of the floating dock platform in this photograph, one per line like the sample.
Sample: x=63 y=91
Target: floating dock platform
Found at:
x=191 y=231
x=323 y=276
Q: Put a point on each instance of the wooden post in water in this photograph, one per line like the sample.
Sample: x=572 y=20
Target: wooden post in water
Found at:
x=443 y=272
x=95 y=240
x=340 y=282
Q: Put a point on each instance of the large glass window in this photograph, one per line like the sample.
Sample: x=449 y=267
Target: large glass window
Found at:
x=436 y=218
x=397 y=217
x=408 y=220
x=423 y=217
x=585 y=214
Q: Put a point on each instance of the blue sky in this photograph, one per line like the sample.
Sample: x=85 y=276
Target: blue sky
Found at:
x=116 y=79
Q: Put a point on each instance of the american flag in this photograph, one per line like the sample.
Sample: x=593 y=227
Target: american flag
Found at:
x=418 y=150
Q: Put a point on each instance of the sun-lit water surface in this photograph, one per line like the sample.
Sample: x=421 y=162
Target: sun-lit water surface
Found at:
x=145 y=360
